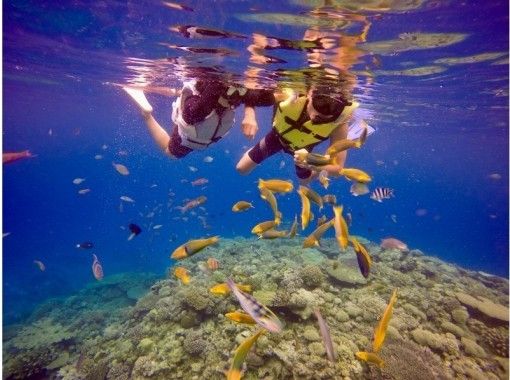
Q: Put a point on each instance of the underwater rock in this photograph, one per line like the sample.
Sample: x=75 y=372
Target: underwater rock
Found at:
x=254 y=360
x=312 y=276
x=443 y=343
x=61 y=361
x=189 y=320
x=460 y=315
x=145 y=367
x=197 y=298
x=345 y=275
x=136 y=292
x=119 y=371
x=404 y=359
x=496 y=313
x=265 y=297
x=177 y=332
x=494 y=339
x=303 y=302
x=145 y=346
x=311 y=334
x=194 y=344
x=42 y=333
x=472 y=348
x=452 y=328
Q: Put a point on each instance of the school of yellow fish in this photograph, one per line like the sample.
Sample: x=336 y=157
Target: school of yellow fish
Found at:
x=256 y=313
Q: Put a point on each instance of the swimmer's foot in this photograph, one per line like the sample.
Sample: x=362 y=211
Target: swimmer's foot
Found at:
x=139 y=97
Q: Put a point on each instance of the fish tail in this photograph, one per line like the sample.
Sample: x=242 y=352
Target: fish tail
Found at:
x=363 y=136
x=231 y=284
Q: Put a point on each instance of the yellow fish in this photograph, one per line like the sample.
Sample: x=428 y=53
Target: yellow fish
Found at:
x=293 y=228
x=316 y=159
x=269 y=197
x=371 y=358
x=380 y=330
x=234 y=373
x=276 y=185
x=364 y=260
x=305 y=209
x=314 y=238
x=241 y=206
x=223 y=289
x=192 y=247
x=272 y=234
x=355 y=175
x=345 y=144
x=341 y=230
x=240 y=317
x=182 y=274
x=313 y=196
x=263 y=226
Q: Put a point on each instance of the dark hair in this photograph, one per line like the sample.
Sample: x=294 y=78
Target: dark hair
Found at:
x=328 y=105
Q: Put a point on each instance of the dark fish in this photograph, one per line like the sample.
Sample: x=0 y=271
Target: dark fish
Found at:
x=381 y=193
x=85 y=245
x=364 y=259
x=191 y=31
x=135 y=230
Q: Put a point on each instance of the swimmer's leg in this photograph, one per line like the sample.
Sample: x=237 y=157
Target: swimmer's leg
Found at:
x=246 y=164
x=139 y=97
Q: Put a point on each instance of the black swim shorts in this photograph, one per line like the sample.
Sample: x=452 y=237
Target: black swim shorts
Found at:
x=175 y=146
x=271 y=145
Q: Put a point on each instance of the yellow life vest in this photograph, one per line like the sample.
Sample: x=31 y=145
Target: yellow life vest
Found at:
x=297 y=131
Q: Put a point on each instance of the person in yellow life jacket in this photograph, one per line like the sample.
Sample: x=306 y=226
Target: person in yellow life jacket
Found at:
x=302 y=122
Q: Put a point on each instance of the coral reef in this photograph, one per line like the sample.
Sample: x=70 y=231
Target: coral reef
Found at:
x=447 y=322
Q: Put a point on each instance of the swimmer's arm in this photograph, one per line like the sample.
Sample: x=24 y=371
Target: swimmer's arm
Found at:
x=165 y=91
x=249 y=124
x=263 y=98
x=333 y=170
x=338 y=134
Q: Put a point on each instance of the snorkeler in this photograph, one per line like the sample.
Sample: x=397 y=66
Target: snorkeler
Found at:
x=302 y=122
x=202 y=114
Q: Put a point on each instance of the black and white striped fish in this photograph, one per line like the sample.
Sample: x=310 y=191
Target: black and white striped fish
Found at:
x=381 y=193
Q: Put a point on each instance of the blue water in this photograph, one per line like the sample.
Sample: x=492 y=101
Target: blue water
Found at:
x=439 y=138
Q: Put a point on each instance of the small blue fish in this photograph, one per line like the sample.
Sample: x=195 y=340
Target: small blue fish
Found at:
x=381 y=193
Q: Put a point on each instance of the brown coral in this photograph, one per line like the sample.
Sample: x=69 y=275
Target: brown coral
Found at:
x=194 y=344
x=419 y=363
x=494 y=339
x=197 y=298
x=312 y=276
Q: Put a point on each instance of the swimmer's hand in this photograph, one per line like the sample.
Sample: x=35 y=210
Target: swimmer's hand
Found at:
x=300 y=160
x=249 y=124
